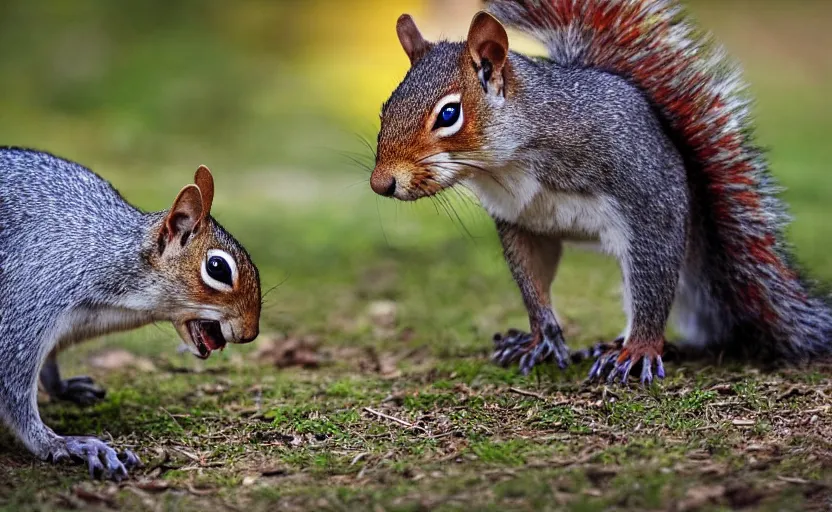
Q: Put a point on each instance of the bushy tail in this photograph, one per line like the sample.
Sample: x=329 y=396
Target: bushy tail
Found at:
x=700 y=96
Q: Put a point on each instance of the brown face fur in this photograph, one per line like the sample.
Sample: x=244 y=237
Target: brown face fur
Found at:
x=184 y=238
x=414 y=159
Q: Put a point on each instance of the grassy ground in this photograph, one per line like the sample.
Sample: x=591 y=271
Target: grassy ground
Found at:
x=370 y=387
x=391 y=311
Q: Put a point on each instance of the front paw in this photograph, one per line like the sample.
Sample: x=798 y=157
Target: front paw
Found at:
x=530 y=349
x=80 y=390
x=101 y=459
x=615 y=362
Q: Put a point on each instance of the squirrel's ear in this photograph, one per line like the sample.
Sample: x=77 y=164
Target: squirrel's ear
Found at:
x=411 y=39
x=184 y=216
x=488 y=46
x=205 y=181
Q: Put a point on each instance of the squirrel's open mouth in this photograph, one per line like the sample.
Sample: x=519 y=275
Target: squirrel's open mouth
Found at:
x=206 y=336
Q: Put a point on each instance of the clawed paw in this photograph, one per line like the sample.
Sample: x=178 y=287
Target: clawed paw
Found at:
x=81 y=390
x=102 y=460
x=615 y=363
x=528 y=349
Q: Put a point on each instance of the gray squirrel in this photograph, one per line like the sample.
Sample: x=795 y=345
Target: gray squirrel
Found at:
x=77 y=261
x=633 y=133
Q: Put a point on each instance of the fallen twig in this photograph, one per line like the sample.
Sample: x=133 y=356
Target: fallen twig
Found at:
x=358 y=458
x=793 y=480
x=527 y=393
x=394 y=419
x=199 y=492
x=189 y=455
x=172 y=417
x=444 y=434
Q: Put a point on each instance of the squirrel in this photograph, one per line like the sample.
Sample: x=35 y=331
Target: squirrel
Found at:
x=78 y=261
x=634 y=134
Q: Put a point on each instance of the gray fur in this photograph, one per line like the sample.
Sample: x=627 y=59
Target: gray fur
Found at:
x=554 y=129
x=787 y=318
x=74 y=264
x=588 y=144
x=613 y=149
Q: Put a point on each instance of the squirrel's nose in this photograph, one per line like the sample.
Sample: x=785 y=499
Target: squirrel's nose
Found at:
x=383 y=185
x=249 y=335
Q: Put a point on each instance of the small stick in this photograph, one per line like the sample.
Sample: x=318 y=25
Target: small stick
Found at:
x=793 y=480
x=173 y=418
x=393 y=418
x=358 y=458
x=445 y=434
x=527 y=393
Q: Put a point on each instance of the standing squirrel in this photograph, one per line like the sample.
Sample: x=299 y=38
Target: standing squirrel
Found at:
x=77 y=261
x=633 y=133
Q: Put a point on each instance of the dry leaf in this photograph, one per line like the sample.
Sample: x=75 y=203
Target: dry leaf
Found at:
x=697 y=497
x=276 y=471
x=156 y=485
x=90 y=496
x=284 y=352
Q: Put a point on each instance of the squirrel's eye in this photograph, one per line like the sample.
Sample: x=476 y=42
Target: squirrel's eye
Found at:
x=448 y=115
x=218 y=270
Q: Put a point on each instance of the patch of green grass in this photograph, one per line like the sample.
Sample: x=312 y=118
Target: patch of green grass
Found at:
x=427 y=401
x=511 y=452
x=751 y=396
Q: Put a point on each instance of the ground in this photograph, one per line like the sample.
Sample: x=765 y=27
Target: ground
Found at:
x=402 y=430
x=370 y=386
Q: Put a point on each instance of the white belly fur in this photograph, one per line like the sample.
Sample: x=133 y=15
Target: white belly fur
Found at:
x=522 y=200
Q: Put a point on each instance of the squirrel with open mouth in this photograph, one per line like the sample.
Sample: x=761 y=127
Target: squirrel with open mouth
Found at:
x=77 y=261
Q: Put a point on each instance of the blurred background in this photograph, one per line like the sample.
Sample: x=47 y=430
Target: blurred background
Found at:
x=270 y=94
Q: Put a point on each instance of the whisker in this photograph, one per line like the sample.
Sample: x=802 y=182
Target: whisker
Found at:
x=458 y=217
x=368 y=145
x=354 y=161
x=438 y=200
x=479 y=168
x=433 y=202
x=449 y=209
x=464 y=198
x=381 y=224
x=361 y=182
x=357 y=154
x=273 y=288
x=428 y=156
x=156 y=325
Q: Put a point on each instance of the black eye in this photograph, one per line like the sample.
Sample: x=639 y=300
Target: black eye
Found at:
x=448 y=116
x=218 y=269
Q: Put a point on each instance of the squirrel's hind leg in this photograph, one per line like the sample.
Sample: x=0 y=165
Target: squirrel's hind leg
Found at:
x=80 y=390
x=533 y=260
x=651 y=266
x=19 y=411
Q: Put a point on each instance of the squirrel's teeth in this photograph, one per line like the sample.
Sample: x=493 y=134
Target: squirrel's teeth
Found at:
x=193 y=349
x=212 y=335
x=198 y=346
